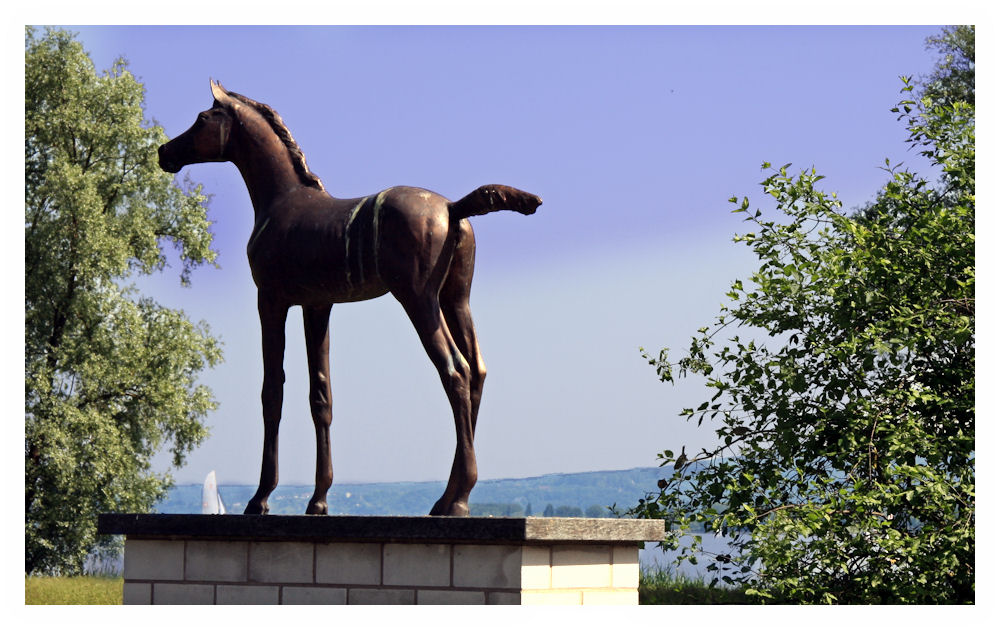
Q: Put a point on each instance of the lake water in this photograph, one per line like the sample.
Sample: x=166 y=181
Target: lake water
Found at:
x=712 y=545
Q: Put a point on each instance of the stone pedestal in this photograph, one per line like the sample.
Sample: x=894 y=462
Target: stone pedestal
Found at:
x=275 y=559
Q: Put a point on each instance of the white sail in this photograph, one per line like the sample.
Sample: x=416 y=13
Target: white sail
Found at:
x=211 y=500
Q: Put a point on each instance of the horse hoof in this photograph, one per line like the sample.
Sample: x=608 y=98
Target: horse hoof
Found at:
x=457 y=508
x=317 y=507
x=256 y=508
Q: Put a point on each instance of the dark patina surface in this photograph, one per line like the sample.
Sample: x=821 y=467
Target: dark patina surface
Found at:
x=310 y=249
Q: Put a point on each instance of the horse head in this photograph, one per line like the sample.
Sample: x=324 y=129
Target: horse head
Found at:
x=207 y=140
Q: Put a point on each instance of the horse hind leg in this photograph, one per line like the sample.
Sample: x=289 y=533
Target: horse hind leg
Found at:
x=454 y=300
x=459 y=321
x=316 y=322
x=457 y=313
x=455 y=374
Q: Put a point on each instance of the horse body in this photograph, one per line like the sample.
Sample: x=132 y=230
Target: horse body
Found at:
x=320 y=270
x=308 y=248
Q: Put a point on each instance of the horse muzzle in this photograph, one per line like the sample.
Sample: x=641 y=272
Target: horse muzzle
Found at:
x=166 y=163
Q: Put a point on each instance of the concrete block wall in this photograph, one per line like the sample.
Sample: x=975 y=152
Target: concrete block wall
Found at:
x=172 y=571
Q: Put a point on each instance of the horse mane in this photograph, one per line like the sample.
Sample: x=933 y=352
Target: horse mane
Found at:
x=278 y=126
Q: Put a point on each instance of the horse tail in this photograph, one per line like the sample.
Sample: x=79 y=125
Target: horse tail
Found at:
x=491 y=198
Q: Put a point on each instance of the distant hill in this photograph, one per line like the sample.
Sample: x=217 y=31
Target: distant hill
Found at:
x=570 y=494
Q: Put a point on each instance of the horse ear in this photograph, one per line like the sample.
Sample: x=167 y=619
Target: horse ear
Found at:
x=219 y=93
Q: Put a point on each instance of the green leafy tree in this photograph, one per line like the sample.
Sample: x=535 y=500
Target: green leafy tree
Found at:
x=495 y=509
x=109 y=376
x=568 y=511
x=597 y=511
x=954 y=77
x=844 y=392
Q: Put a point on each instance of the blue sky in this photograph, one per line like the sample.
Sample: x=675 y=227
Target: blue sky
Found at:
x=635 y=137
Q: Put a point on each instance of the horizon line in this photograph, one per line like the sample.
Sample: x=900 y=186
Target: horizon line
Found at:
x=441 y=481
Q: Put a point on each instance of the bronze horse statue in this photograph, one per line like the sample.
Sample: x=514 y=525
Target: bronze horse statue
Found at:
x=311 y=249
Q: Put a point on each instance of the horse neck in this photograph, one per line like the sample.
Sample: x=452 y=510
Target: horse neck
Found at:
x=263 y=160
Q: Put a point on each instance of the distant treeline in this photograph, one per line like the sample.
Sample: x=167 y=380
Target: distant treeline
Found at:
x=516 y=509
x=566 y=494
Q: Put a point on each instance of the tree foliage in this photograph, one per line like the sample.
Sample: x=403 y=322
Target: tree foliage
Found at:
x=954 y=76
x=109 y=375
x=844 y=392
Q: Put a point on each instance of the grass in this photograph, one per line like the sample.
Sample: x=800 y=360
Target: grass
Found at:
x=73 y=590
x=660 y=586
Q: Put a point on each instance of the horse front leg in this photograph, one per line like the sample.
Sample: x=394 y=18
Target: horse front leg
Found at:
x=317 y=328
x=272 y=328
